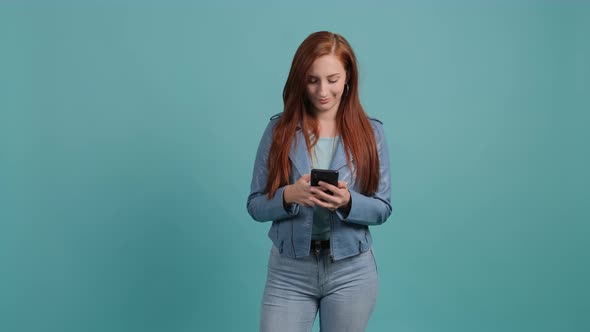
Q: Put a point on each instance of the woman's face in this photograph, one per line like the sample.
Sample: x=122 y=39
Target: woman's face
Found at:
x=325 y=83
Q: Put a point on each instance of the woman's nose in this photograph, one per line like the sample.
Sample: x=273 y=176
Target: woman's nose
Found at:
x=323 y=89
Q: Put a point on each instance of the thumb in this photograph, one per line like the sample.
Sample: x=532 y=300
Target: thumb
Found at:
x=306 y=177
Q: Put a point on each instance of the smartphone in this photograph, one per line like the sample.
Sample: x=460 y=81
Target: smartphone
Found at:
x=325 y=175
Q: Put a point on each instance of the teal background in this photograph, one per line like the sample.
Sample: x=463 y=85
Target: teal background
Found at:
x=127 y=140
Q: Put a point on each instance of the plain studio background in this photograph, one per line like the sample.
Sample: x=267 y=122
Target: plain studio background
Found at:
x=127 y=139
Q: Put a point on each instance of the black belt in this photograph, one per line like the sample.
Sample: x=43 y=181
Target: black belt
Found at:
x=318 y=245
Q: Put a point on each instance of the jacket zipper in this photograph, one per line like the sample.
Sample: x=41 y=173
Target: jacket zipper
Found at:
x=331 y=236
x=292 y=242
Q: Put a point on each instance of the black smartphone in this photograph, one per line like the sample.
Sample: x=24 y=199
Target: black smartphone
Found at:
x=325 y=175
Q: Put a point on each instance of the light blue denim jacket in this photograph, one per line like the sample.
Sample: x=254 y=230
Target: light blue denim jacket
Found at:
x=291 y=229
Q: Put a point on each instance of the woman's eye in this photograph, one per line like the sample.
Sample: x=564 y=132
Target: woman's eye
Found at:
x=314 y=81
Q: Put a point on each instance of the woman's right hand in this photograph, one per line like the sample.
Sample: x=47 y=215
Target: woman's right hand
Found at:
x=299 y=192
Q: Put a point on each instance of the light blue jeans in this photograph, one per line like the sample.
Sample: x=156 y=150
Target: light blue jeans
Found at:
x=344 y=291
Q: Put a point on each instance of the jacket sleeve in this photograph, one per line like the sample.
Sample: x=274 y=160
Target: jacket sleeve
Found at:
x=374 y=209
x=259 y=206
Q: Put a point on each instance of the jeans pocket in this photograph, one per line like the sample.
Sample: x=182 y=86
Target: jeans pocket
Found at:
x=274 y=250
x=374 y=260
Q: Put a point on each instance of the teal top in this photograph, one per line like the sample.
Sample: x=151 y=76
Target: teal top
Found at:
x=322 y=154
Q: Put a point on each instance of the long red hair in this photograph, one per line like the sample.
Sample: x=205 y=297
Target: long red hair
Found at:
x=351 y=121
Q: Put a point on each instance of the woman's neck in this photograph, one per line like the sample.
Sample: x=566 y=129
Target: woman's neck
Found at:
x=327 y=123
x=328 y=127
x=326 y=116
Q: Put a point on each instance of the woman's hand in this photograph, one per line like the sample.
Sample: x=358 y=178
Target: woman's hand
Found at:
x=299 y=192
x=340 y=197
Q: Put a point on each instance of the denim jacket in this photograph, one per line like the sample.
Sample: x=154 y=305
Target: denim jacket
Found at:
x=292 y=227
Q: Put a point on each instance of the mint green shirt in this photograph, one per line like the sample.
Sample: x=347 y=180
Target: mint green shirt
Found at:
x=322 y=154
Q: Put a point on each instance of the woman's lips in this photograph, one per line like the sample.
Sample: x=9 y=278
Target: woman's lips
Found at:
x=324 y=101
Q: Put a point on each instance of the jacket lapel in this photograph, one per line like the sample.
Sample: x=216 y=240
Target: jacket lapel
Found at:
x=298 y=154
x=339 y=159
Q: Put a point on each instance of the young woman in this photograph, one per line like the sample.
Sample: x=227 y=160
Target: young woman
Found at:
x=322 y=257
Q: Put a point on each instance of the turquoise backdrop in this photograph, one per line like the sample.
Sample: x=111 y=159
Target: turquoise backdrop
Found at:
x=127 y=138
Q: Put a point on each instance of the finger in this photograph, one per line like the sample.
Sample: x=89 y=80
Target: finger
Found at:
x=333 y=190
x=332 y=196
x=320 y=203
x=335 y=200
x=305 y=177
x=342 y=185
x=308 y=203
x=327 y=205
x=328 y=186
x=316 y=191
x=327 y=198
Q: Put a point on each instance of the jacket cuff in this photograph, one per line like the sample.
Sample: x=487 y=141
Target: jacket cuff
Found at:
x=279 y=208
x=353 y=198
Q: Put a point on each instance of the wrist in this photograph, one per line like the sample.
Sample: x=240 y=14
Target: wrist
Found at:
x=287 y=195
x=346 y=207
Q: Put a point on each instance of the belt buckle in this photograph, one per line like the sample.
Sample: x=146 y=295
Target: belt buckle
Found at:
x=318 y=246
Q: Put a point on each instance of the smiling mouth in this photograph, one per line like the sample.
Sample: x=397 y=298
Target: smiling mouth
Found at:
x=323 y=101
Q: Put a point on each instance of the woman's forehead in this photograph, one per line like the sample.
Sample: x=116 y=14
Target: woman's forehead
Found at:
x=326 y=65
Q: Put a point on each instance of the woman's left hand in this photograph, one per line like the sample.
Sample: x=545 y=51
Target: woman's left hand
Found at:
x=340 y=197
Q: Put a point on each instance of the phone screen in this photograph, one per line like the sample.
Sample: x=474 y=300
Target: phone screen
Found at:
x=325 y=175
